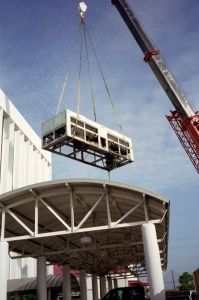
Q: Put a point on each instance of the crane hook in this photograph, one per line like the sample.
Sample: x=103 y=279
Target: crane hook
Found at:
x=82 y=7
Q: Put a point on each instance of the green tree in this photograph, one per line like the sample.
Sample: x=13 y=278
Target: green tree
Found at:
x=186 y=282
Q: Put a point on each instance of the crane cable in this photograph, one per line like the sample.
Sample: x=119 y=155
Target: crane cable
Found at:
x=104 y=80
x=68 y=70
x=89 y=72
x=79 y=76
x=107 y=89
x=79 y=82
x=85 y=29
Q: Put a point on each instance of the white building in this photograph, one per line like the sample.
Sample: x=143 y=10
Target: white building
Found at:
x=22 y=162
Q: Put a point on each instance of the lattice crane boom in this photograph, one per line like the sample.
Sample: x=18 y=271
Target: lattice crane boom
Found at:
x=183 y=120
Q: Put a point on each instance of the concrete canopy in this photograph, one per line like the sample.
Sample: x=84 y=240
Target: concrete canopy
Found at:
x=90 y=224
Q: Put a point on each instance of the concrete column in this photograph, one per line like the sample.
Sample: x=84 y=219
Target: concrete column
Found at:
x=83 y=286
x=153 y=264
x=110 y=283
x=49 y=294
x=94 y=286
x=41 y=278
x=16 y=296
x=102 y=286
x=115 y=283
x=4 y=269
x=66 y=282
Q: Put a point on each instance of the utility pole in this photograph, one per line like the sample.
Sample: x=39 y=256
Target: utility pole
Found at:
x=173 y=280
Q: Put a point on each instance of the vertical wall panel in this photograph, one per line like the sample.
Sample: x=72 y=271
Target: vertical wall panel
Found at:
x=15 y=268
x=9 y=185
x=27 y=170
x=30 y=164
x=22 y=162
x=21 y=157
x=42 y=168
x=34 y=167
x=48 y=170
x=1 y=130
x=39 y=167
x=16 y=166
x=5 y=155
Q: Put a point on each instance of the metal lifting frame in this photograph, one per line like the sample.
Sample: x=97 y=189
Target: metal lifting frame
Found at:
x=184 y=138
x=88 y=154
x=74 y=136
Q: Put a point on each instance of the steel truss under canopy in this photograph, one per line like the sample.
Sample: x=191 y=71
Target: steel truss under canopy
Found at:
x=90 y=224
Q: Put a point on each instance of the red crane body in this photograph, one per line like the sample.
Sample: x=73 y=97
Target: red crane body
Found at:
x=184 y=121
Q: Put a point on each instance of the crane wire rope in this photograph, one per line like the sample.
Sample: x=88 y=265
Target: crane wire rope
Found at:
x=106 y=86
x=107 y=89
x=85 y=30
x=79 y=81
x=89 y=72
x=68 y=70
x=79 y=76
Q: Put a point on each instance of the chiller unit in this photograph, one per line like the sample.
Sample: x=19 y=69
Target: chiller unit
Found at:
x=74 y=136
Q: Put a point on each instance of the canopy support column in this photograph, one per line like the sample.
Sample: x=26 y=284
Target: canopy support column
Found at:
x=102 y=286
x=110 y=286
x=115 y=283
x=4 y=247
x=66 y=282
x=41 y=278
x=153 y=264
x=83 y=286
x=49 y=293
x=94 y=286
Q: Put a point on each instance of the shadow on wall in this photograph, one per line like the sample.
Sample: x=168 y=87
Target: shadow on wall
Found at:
x=24 y=271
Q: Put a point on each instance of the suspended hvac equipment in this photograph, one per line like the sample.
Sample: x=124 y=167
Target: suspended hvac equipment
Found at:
x=74 y=136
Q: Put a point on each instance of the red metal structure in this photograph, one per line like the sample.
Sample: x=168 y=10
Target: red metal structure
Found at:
x=184 y=121
x=185 y=138
x=137 y=282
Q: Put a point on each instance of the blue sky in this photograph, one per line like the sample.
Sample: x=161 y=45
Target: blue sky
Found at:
x=36 y=44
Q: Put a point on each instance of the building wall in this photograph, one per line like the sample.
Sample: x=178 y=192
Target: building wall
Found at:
x=22 y=162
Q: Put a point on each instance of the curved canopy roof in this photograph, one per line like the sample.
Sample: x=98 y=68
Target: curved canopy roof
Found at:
x=91 y=224
x=28 y=284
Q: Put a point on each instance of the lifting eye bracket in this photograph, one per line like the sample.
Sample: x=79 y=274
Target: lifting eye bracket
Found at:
x=82 y=19
x=150 y=53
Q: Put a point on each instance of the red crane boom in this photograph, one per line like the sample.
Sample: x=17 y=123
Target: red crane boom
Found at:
x=184 y=121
